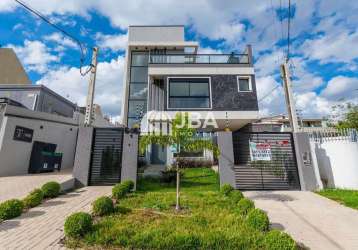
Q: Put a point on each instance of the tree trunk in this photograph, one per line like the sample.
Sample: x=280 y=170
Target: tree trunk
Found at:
x=177 y=206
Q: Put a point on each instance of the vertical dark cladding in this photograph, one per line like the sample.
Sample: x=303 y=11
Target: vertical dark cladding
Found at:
x=225 y=94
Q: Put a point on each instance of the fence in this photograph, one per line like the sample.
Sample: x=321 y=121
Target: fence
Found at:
x=336 y=151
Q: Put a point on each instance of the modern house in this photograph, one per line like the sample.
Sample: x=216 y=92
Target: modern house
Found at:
x=166 y=74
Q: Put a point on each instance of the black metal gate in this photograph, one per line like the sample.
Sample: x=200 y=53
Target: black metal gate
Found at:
x=273 y=169
x=106 y=158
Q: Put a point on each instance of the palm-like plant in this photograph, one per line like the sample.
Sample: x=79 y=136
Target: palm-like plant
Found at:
x=185 y=138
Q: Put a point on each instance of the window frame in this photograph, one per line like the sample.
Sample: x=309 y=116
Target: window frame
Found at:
x=189 y=77
x=246 y=77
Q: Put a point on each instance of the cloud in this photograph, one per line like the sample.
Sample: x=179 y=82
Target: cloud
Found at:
x=116 y=42
x=341 y=86
x=34 y=55
x=68 y=82
x=59 y=39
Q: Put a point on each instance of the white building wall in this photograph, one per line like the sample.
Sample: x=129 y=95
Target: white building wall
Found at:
x=15 y=155
x=338 y=162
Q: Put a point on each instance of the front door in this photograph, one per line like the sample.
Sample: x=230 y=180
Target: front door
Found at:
x=158 y=155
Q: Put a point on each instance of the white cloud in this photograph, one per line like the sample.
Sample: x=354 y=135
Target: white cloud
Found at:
x=59 y=39
x=34 y=55
x=113 y=42
x=341 y=86
x=108 y=93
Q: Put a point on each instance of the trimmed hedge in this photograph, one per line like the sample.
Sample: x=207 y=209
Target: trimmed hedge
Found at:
x=120 y=190
x=235 y=196
x=277 y=240
x=102 y=206
x=244 y=206
x=226 y=189
x=10 y=209
x=258 y=220
x=34 y=198
x=51 y=189
x=78 y=224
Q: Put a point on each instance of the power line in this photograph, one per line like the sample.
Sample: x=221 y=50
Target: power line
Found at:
x=269 y=93
x=78 y=42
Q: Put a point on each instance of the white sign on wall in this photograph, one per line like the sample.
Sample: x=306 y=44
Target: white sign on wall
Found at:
x=260 y=151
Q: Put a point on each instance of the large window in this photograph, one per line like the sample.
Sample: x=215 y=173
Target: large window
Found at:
x=188 y=93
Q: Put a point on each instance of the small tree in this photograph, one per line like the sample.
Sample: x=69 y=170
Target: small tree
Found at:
x=185 y=138
x=345 y=115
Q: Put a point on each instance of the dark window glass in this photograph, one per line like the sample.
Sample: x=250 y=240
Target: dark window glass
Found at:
x=138 y=91
x=137 y=108
x=139 y=59
x=189 y=93
x=139 y=74
x=244 y=84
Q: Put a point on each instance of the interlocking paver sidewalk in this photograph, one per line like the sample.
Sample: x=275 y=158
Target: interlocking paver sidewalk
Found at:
x=42 y=227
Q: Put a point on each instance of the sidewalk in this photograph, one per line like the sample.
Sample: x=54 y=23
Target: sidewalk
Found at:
x=42 y=227
x=317 y=222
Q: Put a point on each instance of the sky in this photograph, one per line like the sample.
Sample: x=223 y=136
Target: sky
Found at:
x=323 y=48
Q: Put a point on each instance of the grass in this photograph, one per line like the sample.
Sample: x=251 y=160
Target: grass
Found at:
x=346 y=197
x=146 y=219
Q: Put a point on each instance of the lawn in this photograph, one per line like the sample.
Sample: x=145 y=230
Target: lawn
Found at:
x=146 y=219
x=346 y=197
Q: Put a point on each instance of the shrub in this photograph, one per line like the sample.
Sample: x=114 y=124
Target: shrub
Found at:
x=78 y=224
x=235 y=196
x=191 y=163
x=51 y=189
x=102 y=206
x=34 y=198
x=258 y=220
x=226 y=189
x=277 y=240
x=244 y=206
x=10 y=209
x=120 y=190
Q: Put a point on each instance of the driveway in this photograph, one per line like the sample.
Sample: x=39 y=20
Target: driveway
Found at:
x=19 y=186
x=42 y=227
x=317 y=222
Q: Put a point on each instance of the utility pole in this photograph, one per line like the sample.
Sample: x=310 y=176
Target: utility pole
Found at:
x=90 y=95
x=289 y=97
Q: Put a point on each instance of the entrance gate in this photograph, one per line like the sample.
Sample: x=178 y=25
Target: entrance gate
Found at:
x=106 y=157
x=265 y=161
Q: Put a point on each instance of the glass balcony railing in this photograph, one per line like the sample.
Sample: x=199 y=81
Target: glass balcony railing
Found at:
x=200 y=59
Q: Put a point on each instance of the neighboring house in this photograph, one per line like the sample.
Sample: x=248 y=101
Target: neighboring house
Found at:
x=281 y=123
x=39 y=98
x=11 y=70
x=99 y=120
x=165 y=73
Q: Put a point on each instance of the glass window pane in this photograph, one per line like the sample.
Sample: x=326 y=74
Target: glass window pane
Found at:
x=139 y=59
x=139 y=74
x=195 y=102
x=179 y=89
x=244 y=84
x=199 y=89
x=138 y=91
x=136 y=108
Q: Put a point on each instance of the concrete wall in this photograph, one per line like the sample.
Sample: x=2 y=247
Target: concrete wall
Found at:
x=15 y=155
x=226 y=158
x=155 y=33
x=83 y=156
x=338 y=162
x=11 y=70
x=307 y=166
x=130 y=157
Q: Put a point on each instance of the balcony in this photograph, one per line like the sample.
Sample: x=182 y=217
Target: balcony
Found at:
x=227 y=59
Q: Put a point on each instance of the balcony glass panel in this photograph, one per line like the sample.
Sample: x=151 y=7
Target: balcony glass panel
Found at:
x=200 y=59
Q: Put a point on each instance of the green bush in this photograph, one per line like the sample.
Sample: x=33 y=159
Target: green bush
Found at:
x=102 y=206
x=258 y=220
x=10 y=209
x=34 y=198
x=226 y=189
x=244 y=206
x=51 y=189
x=78 y=224
x=277 y=240
x=120 y=190
x=235 y=196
